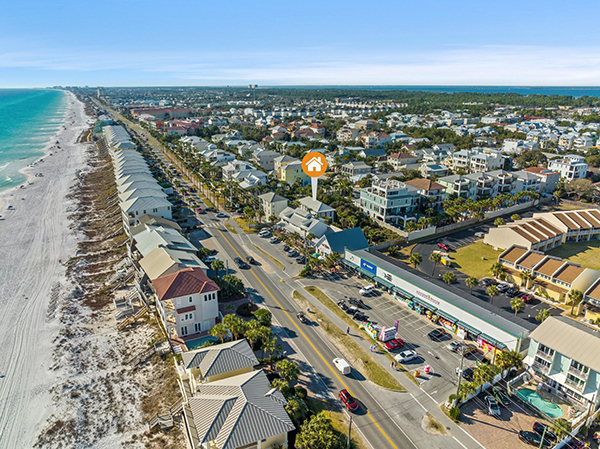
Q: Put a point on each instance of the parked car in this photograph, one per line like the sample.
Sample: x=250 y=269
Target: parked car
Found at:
x=343 y=305
x=486 y=282
x=302 y=317
x=501 y=396
x=503 y=287
x=214 y=252
x=240 y=263
x=406 y=356
x=534 y=439
x=492 y=406
x=436 y=334
x=356 y=302
x=210 y=259
x=394 y=344
x=359 y=316
x=526 y=297
x=367 y=290
x=273 y=240
x=443 y=246
x=264 y=234
x=300 y=259
x=539 y=427
x=467 y=374
x=211 y=209
x=352 y=310
x=455 y=346
x=286 y=247
x=251 y=260
x=348 y=400
x=292 y=253
x=512 y=292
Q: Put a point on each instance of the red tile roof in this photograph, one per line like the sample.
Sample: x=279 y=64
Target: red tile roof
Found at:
x=184 y=282
x=425 y=184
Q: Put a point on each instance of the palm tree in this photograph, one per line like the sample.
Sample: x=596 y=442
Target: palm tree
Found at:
x=220 y=331
x=517 y=304
x=562 y=428
x=498 y=270
x=235 y=324
x=543 y=314
x=217 y=266
x=509 y=359
x=449 y=277
x=575 y=296
x=471 y=282
x=415 y=259
x=525 y=276
x=499 y=221
x=435 y=258
x=492 y=291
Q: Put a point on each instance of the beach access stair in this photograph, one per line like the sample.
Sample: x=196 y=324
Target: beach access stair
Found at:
x=164 y=418
x=159 y=347
x=130 y=319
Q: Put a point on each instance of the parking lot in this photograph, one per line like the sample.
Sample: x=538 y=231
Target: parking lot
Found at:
x=497 y=432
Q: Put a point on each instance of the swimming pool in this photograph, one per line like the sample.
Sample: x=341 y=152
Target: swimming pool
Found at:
x=540 y=403
x=197 y=342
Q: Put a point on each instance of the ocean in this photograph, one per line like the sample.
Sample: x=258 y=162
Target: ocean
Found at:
x=28 y=121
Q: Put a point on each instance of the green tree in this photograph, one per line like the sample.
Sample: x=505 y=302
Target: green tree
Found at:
x=492 y=291
x=393 y=251
x=483 y=373
x=575 y=297
x=517 y=304
x=509 y=359
x=263 y=316
x=415 y=259
x=435 y=258
x=466 y=388
x=525 y=276
x=235 y=324
x=203 y=253
x=297 y=409
x=449 y=277
x=288 y=370
x=317 y=432
x=498 y=270
x=217 y=266
x=499 y=221
x=515 y=217
x=230 y=285
x=220 y=331
x=562 y=428
x=471 y=282
x=543 y=314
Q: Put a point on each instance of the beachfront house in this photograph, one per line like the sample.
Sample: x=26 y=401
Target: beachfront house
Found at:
x=187 y=302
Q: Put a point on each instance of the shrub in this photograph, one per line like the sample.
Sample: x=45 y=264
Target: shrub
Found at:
x=246 y=309
x=454 y=414
x=300 y=392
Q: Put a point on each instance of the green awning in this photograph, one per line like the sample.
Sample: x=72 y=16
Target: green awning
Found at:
x=402 y=292
x=468 y=327
x=382 y=281
x=424 y=304
x=446 y=316
x=493 y=341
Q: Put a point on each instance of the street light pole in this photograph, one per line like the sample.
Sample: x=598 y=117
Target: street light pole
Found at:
x=462 y=359
x=349 y=430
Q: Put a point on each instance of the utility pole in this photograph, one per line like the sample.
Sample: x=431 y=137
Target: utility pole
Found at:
x=543 y=435
x=349 y=430
x=462 y=359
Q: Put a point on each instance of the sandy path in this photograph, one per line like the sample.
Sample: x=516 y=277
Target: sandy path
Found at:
x=34 y=236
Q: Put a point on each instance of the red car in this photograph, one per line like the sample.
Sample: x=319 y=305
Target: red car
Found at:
x=526 y=298
x=396 y=343
x=444 y=246
x=349 y=400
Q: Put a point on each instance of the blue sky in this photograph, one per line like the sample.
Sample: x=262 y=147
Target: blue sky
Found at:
x=133 y=43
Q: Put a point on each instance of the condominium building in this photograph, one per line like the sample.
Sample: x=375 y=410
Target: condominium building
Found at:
x=389 y=200
x=570 y=167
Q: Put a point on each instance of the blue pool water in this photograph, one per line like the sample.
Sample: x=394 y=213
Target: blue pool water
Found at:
x=538 y=402
x=198 y=342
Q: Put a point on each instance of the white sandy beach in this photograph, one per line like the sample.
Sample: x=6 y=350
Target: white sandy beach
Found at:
x=35 y=236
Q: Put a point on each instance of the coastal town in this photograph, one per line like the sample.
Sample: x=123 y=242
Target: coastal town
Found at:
x=439 y=287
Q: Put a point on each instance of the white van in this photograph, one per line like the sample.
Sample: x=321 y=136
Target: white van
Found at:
x=367 y=290
x=343 y=366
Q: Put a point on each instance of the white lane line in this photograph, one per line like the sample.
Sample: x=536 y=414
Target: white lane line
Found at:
x=418 y=402
x=456 y=439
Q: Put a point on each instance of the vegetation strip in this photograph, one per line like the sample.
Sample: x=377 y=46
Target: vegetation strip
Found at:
x=373 y=371
x=271 y=258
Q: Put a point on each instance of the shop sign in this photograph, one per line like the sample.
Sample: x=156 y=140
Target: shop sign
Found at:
x=368 y=266
x=428 y=297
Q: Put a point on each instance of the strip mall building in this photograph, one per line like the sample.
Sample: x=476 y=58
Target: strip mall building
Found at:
x=489 y=326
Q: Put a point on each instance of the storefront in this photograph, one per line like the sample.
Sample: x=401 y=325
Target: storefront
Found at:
x=466 y=319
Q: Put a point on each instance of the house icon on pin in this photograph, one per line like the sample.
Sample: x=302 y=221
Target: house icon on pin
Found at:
x=315 y=164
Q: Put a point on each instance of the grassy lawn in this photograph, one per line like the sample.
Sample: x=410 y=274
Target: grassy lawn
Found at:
x=348 y=347
x=243 y=223
x=404 y=253
x=468 y=259
x=587 y=254
x=271 y=258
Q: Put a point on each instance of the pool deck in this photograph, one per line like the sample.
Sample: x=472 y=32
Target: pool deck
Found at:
x=567 y=407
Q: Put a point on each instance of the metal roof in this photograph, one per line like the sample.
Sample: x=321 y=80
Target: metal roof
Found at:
x=571 y=339
x=238 y=411
x=220 y=359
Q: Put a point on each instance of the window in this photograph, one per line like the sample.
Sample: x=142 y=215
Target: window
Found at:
x=542 y=362
x=545 y=349
x=198 y=327
x=579 y=367
x=191 y=299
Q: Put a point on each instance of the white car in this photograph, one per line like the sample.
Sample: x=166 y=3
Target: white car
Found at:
x=406 y=356
x=367 y=290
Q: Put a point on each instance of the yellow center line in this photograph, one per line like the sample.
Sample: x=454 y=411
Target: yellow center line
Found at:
x=309 y=342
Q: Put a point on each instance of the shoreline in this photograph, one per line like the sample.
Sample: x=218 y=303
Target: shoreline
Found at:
x=37 y=239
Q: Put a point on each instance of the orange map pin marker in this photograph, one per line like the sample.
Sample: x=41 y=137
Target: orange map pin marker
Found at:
x=314 y=165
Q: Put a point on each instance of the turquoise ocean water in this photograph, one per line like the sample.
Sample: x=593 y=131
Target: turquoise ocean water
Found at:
x=28 y=121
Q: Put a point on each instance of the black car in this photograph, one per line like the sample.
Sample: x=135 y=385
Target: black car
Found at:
x=240 y=263
x=343 y=305
x=486 y=282
x=286 y=247
x=251 y=260
x=436 y=334
x=467 y=374
x=213 y=252
x=211 y=209
x=539 y=427
x=534 y=439
x=300 y=259
x=356 y=302
x=359 y=316
x=512 y=292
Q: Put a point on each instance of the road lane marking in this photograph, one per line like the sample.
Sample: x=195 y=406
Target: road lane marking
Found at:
x=314 y=348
